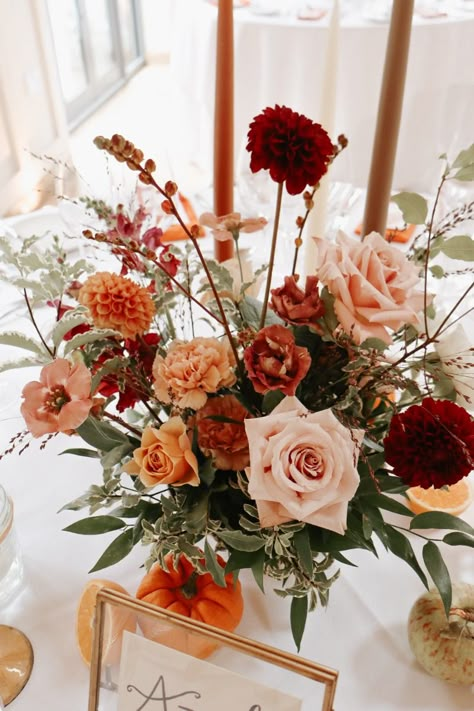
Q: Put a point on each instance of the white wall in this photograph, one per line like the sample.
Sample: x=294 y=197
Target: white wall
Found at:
x=157 y=19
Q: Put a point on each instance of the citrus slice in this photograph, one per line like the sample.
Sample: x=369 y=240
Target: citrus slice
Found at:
x=116 y=621
x=453 y=500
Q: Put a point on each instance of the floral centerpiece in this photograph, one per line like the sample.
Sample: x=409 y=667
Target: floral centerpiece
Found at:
x=281 y=432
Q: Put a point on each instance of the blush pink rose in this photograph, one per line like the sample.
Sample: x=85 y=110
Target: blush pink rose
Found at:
x=274 y=361
x=60 y=401
x=298 y=307
x=373 y=283
x=191 y=370
x=303 y=466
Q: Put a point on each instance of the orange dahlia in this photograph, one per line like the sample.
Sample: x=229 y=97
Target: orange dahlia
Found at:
x=117 y=302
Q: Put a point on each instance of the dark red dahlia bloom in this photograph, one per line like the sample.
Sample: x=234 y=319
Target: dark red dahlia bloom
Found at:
x=431 y=444
x=293 y=148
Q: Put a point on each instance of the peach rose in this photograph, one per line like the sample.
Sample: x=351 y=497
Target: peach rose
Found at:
x=303 y=466
x=226 y=442
x=165 y=456
x=373 y=284
x=60 y=401
x=274 y=361
x=191 y=370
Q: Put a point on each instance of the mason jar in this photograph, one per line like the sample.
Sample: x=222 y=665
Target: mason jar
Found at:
x=11 y=566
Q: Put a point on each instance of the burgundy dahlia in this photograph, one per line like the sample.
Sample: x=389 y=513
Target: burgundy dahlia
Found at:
x=431 y=444
x=293 y=148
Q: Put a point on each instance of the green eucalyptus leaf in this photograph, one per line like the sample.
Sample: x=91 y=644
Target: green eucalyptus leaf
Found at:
x=440 y=519
x=213 y=565
x=101 y=434
x=116 y=455
x=258 y=568
x=298 y=615
x=83 y=339
x=71 y=319
x=93 y=525
x=240 y=541
x=82 y=452
x=118 y=549
x=26 y=362
x=271 y=399
x=459 y=247
x=382 y=501
x=456 y=538
x=437 y=271
x=19 y=340
x=373 y=344
x=414 y=207
x=465 y=174
x=402 y=548
x=464 y=158
x=303 y=548
x=437 y=569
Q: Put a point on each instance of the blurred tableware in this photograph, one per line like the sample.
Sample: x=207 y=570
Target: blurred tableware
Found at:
x=16 y=663
x=11 y=566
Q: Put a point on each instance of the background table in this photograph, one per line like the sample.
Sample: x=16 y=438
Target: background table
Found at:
x=280 y=59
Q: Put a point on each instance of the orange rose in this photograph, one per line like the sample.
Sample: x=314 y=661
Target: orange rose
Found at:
x=226 y=442
x=190 y=370
x=165 y=456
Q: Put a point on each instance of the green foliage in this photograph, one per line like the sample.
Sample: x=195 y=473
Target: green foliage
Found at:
x=414 y=207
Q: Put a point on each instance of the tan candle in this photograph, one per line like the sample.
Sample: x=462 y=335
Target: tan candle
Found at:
x=224 y=122
x=388 y=119
x=316 y=222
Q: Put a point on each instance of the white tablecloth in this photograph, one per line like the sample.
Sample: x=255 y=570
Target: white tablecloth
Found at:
x=280 y=59
x=362 y=633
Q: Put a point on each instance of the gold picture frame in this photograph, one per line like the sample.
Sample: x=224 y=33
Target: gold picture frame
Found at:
x=271 y=655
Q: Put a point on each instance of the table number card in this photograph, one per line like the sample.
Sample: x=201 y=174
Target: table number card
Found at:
x=154 y=677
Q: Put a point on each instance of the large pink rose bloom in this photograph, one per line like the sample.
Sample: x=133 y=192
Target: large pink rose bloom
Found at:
x=60 y=401
x=303 y=466
x=373 y=284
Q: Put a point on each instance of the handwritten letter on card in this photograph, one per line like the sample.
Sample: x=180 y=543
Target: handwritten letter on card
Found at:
x=156 y=678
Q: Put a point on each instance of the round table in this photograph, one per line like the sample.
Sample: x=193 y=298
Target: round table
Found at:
x=280 y=59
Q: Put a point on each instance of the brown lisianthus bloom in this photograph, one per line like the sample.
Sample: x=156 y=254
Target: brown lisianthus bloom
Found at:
x=275 y=362
x=293 y=305
x=226 y=442
x=117 y=302
x=293 y=148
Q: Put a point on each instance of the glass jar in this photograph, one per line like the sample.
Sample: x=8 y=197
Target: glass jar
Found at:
x=11 y=565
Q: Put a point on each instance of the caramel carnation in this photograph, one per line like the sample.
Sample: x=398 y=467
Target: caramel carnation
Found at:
x=192 y=369
x=117 y=302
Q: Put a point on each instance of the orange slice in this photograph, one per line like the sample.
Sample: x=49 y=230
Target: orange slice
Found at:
x=453 y=500
x=116 y=621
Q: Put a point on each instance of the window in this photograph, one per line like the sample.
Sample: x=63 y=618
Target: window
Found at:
x=98 y=45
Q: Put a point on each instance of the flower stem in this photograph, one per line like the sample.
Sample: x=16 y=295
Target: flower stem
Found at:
x=30 y=311
x=272 y=254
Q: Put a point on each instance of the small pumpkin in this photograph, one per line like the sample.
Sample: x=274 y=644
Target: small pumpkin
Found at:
x=182 y=589
x=444 y=649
